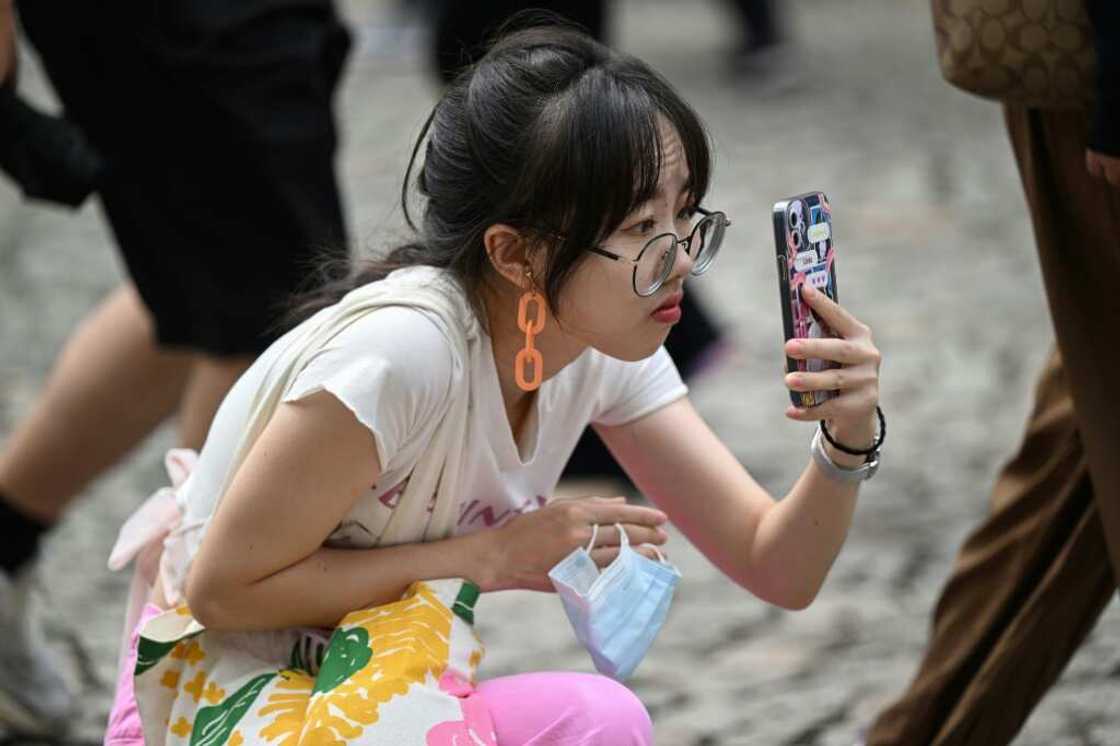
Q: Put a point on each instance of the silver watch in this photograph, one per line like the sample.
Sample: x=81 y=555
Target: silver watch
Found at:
x=839 y=473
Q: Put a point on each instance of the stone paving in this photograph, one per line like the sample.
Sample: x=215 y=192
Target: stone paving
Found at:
x=935 y=254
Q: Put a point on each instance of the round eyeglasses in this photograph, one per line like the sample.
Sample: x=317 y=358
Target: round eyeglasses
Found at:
x=656 y=259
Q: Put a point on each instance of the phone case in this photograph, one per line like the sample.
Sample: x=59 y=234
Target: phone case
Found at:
x=806 y=253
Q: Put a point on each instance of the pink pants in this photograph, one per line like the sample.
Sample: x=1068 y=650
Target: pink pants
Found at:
x=532 y=709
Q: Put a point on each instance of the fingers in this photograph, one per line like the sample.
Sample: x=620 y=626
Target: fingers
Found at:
x=856 y=376
x=1093 y=165
x=1104 y=167
x=812 y=414
x=609 y=535
x=845 y=406
x=591 y=498
x=833 y=313
x=843 y=351
x=605 y=513
x=837 y=379
x=603 y=556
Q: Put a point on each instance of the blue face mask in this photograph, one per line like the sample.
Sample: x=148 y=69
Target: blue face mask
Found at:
x=615 y=613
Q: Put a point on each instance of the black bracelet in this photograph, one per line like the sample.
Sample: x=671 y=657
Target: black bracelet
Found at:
x=857 y=451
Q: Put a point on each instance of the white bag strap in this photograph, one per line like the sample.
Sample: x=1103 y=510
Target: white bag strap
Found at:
x=439 y=469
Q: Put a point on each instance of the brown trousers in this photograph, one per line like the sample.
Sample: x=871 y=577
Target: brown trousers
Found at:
x=1032 y=580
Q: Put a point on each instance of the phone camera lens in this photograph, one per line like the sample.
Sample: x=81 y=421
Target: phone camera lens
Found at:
x=796 y=238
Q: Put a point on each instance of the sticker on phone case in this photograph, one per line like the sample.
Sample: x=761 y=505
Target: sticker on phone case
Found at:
x=803 y=261
x=819 y=232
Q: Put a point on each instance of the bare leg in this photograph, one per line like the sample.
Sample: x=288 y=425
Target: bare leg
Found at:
x=209 y=381
x=110 y=387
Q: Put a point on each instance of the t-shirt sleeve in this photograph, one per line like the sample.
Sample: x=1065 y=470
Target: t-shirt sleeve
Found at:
x=392 y=369
x=631 y=390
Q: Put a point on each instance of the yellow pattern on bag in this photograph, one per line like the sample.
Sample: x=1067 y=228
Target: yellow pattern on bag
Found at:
x=383 y=678
x=289 y=704
x=419 y=628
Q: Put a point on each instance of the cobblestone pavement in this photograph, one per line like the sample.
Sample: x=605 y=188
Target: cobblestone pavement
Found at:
x=935 y=253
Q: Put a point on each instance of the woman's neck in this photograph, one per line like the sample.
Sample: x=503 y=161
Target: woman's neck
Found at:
x=557 y=348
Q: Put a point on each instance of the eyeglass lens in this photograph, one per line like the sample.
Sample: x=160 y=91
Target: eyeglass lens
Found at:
x=656 y=263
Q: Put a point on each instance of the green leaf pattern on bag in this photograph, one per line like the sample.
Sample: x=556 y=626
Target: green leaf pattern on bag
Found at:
x=215 y=724
x=348 y=653
x=149 y=653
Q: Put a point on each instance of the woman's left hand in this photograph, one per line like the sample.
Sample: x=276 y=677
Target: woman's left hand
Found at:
x=852 y=413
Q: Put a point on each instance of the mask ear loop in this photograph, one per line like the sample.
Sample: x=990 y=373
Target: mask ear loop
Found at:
x=625 y=541
x=594 y=534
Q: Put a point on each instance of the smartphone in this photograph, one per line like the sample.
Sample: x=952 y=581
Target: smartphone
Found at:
x=806 y=254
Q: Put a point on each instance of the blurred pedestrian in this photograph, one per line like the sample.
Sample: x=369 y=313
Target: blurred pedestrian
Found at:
x=1032 y=579
x=211 y=131
x=763 y=39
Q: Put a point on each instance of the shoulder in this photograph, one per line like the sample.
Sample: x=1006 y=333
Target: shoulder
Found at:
x=392 y=368
x=409 y=337
x=625 y=390
x=389 y=353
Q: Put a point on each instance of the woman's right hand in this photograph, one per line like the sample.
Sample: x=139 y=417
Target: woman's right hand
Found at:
x=520 y=553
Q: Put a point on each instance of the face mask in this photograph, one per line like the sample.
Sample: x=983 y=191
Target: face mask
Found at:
x=615 y=613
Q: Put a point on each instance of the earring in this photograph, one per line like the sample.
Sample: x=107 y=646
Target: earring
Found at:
x=529 y=355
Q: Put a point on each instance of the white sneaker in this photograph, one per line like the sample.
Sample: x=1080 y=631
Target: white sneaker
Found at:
x=34 y=695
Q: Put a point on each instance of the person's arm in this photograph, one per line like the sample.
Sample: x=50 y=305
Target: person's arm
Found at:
x=47 y=156
x=1103 y=155
x=262 y=564
x=779 y=550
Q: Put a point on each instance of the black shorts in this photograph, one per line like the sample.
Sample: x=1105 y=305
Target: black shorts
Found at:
x=216 y=120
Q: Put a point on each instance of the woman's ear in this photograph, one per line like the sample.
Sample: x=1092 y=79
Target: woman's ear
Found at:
x=507 y=250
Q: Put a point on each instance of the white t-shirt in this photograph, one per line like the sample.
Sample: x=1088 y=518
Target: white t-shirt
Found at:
x=392 y=369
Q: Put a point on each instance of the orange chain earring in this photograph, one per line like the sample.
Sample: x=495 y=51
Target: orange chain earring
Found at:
x=530 y=355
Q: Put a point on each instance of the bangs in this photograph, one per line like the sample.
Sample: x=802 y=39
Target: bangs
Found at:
x=595 y=156
x=600 y=152
x=614 y=133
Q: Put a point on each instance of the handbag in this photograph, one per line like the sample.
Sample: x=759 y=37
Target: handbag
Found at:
x=401 y=673
x=1037 y=53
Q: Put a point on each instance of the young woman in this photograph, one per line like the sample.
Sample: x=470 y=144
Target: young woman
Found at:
x=414 y=428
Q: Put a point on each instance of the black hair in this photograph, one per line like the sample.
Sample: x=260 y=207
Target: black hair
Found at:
x=551 y=133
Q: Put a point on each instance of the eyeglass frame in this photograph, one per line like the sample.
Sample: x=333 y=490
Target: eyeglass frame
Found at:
x=677 y=241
